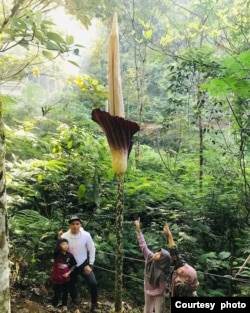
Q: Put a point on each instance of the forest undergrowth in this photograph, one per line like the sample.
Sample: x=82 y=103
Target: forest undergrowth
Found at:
x=38 y=300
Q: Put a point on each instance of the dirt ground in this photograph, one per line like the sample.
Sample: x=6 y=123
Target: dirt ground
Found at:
x=38 y=300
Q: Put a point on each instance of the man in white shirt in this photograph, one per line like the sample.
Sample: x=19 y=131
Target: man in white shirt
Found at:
x=82 y=247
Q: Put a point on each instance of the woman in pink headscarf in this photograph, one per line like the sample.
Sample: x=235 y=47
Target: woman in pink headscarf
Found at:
x=184 y=278
x=157 y=267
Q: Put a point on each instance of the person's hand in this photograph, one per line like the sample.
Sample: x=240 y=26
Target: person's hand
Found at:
x=137 y=225
x=87 y=270
x=66 y=275
x=167 y=231
x=59 y=234
x=170 y=238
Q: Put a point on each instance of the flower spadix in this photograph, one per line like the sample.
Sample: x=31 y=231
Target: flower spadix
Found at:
x=116 y=106
x=119 y=133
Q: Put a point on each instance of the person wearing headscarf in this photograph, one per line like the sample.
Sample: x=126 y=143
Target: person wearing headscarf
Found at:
x=184 y=281
x=157 y=267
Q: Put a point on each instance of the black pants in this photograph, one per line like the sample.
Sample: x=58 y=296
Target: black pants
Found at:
x=90 y=281
x=58 y=291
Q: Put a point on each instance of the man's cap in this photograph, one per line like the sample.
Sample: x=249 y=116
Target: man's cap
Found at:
x=74 y=218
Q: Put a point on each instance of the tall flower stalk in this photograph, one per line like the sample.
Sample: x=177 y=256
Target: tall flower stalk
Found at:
x=119 y=133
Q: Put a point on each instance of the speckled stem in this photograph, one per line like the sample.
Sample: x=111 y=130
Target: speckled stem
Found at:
x=119 y=244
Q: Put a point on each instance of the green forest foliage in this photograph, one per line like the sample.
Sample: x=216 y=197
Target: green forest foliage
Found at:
x=67 y=170
x=186 y=81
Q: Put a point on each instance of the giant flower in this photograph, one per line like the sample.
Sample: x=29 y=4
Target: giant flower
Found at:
x=119 y=133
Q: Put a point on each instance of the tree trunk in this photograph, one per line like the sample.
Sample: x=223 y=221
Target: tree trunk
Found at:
x=4 y=250
x=201 y=154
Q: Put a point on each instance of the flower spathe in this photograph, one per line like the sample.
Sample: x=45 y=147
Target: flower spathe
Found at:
x=119 y=133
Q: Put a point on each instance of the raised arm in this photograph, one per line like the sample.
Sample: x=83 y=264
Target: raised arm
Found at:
x=176 y=258
x=137 y=225
x=141 y=239
x=168 y=233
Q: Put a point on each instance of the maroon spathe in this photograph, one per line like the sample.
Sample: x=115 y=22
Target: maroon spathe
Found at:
x=119 y=131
